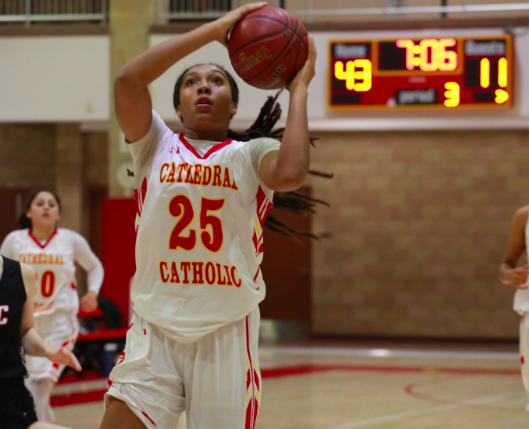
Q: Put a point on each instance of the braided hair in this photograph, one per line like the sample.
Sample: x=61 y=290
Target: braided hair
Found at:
x=293 y=202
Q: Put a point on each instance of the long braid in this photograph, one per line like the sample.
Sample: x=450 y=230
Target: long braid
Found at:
x=293 y=202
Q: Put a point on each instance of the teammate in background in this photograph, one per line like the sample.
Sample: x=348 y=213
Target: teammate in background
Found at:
x=17 y=286
x=202 y=201
x=517 y=278
x=53 y=253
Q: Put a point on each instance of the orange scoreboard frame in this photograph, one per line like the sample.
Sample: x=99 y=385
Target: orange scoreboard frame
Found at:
x=432 y=73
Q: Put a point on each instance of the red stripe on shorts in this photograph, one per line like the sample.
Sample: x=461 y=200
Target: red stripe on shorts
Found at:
x=251 y=410
x=151 y=420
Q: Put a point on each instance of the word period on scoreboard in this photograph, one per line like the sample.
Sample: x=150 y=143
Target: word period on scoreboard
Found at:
x=446 y=73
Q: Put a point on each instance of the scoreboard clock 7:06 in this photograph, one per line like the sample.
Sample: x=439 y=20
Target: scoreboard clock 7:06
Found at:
x=444 y=73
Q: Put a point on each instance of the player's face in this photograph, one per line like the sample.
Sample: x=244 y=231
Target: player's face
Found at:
x=44 y=210
x=206 y=106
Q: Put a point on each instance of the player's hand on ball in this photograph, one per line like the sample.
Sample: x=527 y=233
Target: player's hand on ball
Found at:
x=89 y=302
x=223 y=25
x=518 y=276
x=63 y=357
x=305 y=75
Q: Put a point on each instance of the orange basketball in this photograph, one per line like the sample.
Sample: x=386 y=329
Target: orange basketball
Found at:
x=268 y=47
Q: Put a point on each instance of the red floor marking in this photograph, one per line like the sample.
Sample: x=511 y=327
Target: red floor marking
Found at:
x=77 y=398
x=409 y=389
x=310 y=368
x=72 y=377
x=97 y=395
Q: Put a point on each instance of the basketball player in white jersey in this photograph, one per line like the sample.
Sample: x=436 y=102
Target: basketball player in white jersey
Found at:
x=53 y=253
x=509 y=274
x=202 y=201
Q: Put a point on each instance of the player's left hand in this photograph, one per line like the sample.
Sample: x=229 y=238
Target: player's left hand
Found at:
x=63 y=357
x=89 y=302
x=307 y=72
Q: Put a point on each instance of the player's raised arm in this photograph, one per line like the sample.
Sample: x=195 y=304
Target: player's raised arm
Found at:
x=131 y=94
x=286 y=169
x=516 y=245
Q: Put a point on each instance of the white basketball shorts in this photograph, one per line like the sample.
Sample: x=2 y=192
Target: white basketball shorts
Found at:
x=216 y=380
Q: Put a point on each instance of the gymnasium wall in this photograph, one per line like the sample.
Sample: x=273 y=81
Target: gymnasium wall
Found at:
x=27 y=144
x=418 y=218
x=33 y=145
x=58 y=78
x=419 y=221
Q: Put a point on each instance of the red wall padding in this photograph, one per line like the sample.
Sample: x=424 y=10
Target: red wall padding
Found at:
x=117 y=253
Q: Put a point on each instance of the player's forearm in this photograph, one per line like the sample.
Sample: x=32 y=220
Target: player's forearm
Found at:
x=292 y=164
x=504 y=273
x=95 y=272
x=95 y=278
x=151 y=64
x=34 y=345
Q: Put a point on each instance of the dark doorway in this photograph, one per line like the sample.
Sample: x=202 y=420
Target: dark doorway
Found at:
x=11 y=203
x=287 y=271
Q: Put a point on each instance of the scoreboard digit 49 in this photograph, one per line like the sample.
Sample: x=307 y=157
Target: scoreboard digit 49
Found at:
x=446 y=73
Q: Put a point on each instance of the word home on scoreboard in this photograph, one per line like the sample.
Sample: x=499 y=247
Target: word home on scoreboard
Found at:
x=445 y=73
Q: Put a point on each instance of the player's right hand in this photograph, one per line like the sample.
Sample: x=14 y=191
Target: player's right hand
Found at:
x=224 y=24
x=63 y=356
x=517 y=277
x=307 y=72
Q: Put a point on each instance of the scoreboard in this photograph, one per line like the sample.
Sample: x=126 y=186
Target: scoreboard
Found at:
x=441 y=73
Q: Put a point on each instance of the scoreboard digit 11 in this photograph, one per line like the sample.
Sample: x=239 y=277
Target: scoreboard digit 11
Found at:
x=444 y=73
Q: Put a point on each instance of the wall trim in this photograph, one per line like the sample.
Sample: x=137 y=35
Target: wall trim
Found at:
x=497 y=22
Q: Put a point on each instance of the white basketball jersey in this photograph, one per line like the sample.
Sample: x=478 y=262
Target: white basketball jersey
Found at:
x=53 y=261
x=199 y=236
x=521 y=297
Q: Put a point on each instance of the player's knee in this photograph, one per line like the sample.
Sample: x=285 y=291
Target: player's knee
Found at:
x=119 y=414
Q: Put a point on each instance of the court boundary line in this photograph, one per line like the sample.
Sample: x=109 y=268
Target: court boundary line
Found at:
x=410 y=390
x=426 y=411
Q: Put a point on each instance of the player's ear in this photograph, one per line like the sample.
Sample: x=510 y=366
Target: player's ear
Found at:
x=28 y=214
x=179 y=114
x=233 y=111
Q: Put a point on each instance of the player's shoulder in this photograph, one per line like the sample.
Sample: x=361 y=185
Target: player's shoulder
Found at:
x=26 y=269
x=28 y=273
x=522 y=211
x=267 y=139
x=29 y=277
x=160 y=128
x=158 y=133
x=522 y=215
x=264 y=140
x=257 y=143
x=65 y=232
x=68 y=234
x=17 y=234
